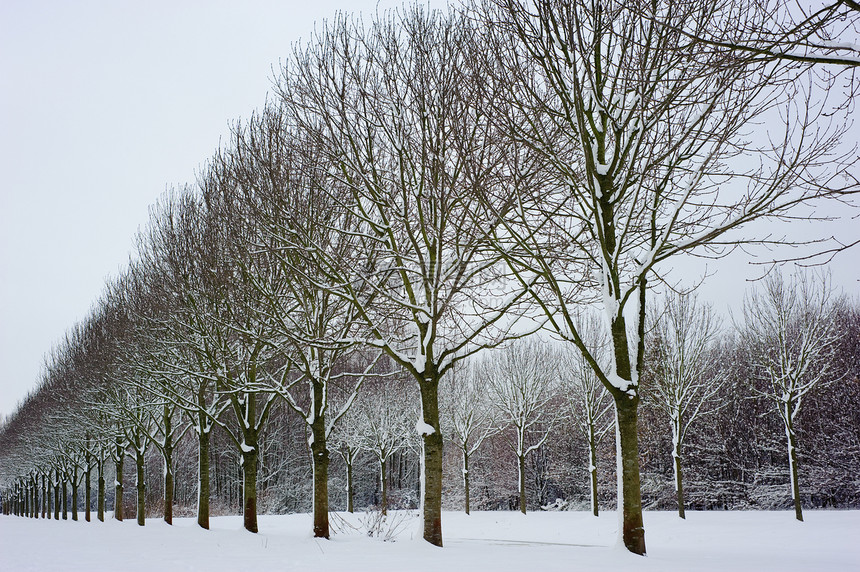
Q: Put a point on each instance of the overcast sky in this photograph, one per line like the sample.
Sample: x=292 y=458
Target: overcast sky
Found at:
x=103 y=105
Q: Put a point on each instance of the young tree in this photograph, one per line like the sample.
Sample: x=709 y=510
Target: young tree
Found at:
x=790 y=332
x=384 y=415
x=589 y=402
x=470 y=413
x=522 y=380
x=686 y=370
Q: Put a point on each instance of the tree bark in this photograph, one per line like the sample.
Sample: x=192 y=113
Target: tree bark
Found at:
x=679 y=484
x=350 y=491
x=46 y=498
x=57 y=496
x=432 y=497
x=592 y=467
x=75 y=493
x=203 y=485
x=101 y=493
x=466 y=475
x=521 y=466
x=319 y=451
x=88 y=497
x=630 y=495
x=65 y=498
x=249 y=489
x=141 y=485
x=117 y=501
x=167 y=453
x=34 y=512
x=383 y=483
x=791 y=437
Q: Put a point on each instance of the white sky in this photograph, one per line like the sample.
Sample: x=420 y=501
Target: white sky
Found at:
x=103 y=104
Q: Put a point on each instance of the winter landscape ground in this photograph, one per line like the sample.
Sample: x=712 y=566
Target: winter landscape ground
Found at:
x=497 y=541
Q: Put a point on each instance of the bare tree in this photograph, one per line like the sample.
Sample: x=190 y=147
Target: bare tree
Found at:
x=789 y=30
x=278 y=172
x=791 y=333
x=402 y=110
x=523 y=380
x=384 y=416
x=639 y=127
x=589 y=402
x=469 y=412
x=686 y=371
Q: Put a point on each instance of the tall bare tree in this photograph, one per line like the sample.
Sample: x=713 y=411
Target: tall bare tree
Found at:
x=403 y=113
x=470 y=415
x=686 y=372
x=641 y=128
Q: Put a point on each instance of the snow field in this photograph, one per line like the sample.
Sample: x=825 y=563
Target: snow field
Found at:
x=492 y=541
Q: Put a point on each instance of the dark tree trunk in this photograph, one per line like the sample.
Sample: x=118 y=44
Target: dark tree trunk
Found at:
x=88 y=498
x=101 y=493
x=46 y=497
x=679 y=483
x=633 y=530
x=117 y=501
x=432 y=501
x=65 y=498
x=466 y=475
x=791 y=437
x=250 y=459
x=141 y=485
x=521 y=466
x=75 y=493
x=319 y=451
x=203 y=474
x=57 y=496
x=167 y=453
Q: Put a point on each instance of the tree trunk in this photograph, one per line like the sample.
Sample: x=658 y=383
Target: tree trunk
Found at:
x=141 y=485
x=101 y=493
x=117 y=501
x=466 y=475
x=350 y=491
x=592 y=467
x=203 y=476
x=432 y=497
x=46 y=497
x=75 y=494
x=629 y=493
x=791 y=437
x=249 y=489
x=65 y=498
x=679 y=483
x=383 y=483
x=57 y=496
x=88 y=498
x=167 y=453
x=521 y=466
x=319 y=451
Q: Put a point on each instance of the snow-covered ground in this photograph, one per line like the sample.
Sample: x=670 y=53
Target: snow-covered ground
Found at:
x=492 y=541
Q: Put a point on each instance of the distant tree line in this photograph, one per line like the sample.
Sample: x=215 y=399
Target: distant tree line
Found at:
x=436 y=251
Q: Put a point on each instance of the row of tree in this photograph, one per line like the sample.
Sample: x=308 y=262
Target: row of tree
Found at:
x=425 y=188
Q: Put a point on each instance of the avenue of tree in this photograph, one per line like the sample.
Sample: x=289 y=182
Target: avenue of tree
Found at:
x=448 y=231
